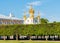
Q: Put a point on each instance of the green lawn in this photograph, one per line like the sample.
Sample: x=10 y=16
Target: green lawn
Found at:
x=15 y=41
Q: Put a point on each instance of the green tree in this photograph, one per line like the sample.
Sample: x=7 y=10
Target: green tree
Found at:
x=44 y=21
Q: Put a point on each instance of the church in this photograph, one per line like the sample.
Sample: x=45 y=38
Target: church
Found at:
x=31 y=19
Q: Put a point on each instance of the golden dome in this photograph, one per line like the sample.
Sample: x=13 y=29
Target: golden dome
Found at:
x=31 y=11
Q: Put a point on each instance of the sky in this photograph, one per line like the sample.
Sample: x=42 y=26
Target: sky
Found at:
x=49 y=9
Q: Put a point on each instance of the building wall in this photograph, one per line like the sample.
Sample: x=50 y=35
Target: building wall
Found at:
x=31 y=21
x=7 y=21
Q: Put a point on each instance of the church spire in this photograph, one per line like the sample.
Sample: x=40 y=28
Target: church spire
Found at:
x=31 y=12
x=24 y=15
x=30 y=6
x=38 y=15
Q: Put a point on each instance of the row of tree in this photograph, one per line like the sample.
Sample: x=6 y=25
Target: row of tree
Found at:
x=36 y=29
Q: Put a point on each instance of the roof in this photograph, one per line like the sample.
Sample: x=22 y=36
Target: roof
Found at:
x=9 y=17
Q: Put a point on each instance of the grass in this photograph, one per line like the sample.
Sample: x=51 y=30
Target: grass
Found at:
x=29 y=41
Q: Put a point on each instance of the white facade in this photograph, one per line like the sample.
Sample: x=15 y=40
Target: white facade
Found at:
x=31 y=21
x=28 y=21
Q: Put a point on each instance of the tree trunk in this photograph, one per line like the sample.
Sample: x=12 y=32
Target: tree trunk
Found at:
x=46 y=37
x=30 y=37
x=4 y=37
x=16 y=36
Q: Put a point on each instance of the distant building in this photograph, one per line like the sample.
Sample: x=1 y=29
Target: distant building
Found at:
x=10 y=19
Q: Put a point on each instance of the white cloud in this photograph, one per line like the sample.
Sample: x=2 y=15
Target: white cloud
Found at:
x=35 y=3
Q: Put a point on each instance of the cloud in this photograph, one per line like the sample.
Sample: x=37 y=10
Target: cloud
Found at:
x=35 y=3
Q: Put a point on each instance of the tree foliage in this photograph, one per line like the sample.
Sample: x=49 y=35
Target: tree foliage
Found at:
x=44 y=21
x=36 y=29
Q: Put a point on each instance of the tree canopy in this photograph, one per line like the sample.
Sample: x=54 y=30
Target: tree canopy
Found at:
x=36 y=29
